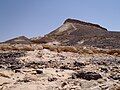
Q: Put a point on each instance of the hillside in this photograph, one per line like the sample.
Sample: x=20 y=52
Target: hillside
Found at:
x=79 y=33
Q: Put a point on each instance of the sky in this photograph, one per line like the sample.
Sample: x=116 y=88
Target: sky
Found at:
x=33 y=18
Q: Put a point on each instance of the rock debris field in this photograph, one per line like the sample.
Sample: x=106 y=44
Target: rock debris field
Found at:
x=50 y=70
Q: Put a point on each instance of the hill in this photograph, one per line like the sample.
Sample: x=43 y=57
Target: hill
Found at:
x=79 y=33
x=19 y=40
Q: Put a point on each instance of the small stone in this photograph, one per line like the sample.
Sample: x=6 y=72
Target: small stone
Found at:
x=78 y=64
x=52 y=79
x=63 y=84
x=65 y=67
x=104 y=70
x=39 y=71
x=17 y=71
x=115 y=77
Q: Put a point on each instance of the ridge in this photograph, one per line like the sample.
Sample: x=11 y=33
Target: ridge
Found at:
x=69 y=20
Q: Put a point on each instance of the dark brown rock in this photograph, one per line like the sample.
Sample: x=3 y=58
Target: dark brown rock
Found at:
x=78 y=64
x=39 y=71
x=52 y=79
x=87 y=75
x=63 y=84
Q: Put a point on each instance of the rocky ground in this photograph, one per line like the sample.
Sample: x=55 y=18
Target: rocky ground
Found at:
x=50 y=70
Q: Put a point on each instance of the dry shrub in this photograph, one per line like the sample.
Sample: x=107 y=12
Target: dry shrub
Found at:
x=50 y=47
x=16 y=47
x=106 y=51
x=60 y=48
x=96 y=51
x=67 y=49
x=37 y=46
x=89 y=51
x=101 y=51
x=37 y=41
x=85 y=51
x=26 y=48
x=5 y=47
x=113 y=52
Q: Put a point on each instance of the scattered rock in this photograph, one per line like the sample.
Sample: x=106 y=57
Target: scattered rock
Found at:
x=78 y=64
x=24 y=80
x=64 y=67
x=52 y=79
x=104 y=70
x=39 y=71
x=105 y=62
x=35 y=64
x=63 y=84
x=87 y=75
x=17 y=71
x=10 y=60
x=14 y=67
x=2 y=67
x=4 y=75
x=88 y=84
x=115 y=77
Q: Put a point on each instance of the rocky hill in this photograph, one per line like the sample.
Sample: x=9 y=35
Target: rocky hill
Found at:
x=75 y=32
x=19 y=40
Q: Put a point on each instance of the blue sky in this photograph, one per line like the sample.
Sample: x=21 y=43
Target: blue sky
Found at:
x=39 y=17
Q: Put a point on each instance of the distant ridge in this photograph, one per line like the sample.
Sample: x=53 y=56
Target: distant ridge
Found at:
x=19 y=40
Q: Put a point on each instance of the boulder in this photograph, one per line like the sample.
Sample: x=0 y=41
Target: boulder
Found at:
x=87 y=75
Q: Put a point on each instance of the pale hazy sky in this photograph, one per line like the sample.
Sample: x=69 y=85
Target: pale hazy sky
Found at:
x=38 y=17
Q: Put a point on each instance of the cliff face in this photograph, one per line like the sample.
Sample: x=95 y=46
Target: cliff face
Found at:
x=75 y=32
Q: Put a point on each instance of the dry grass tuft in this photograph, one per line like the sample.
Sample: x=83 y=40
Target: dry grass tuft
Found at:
x=23 y=47
x=50 y=47
x=67 y=49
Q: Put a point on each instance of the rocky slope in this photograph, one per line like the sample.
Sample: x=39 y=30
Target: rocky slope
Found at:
x=75 y=32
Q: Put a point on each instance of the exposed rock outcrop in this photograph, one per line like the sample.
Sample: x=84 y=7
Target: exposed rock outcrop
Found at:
x=79 y=33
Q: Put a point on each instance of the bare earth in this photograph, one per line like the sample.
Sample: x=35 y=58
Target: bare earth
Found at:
x=50 y=70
